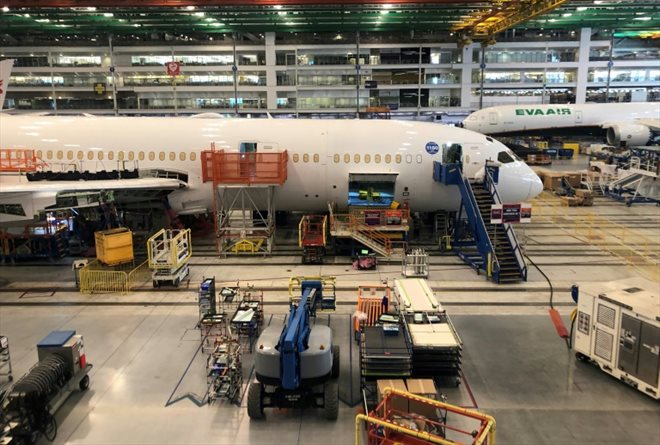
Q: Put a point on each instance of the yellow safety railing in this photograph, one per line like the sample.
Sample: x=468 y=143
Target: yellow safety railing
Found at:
x=627 y=244
x=484 y=435
x=169 y=249
x=97 y=278
x=295 y=286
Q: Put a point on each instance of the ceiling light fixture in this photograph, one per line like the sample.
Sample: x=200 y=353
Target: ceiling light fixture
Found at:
x=199 y=14
x=387 y=6
x=191 y=8
x=642 y=18
x=566 y=14
x=5 y=9
x=108 y=14
x=277 y=6
x=581 y=8
x=91 y=8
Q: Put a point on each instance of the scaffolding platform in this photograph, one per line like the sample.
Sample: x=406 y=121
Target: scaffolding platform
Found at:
x=243 y=197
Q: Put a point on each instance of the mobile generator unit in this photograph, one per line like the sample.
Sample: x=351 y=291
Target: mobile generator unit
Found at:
x=295 y=365
x=618 y=329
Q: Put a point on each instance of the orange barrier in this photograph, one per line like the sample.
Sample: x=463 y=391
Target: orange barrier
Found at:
x=371 y=305
x=18 y=160
x=222 y=167
x=387 y=426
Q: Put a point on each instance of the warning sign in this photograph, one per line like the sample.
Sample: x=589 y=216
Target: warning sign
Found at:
x=173 y=68
x=510 y=213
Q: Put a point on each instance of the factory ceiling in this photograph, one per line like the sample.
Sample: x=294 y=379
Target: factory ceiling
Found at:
x=474 y=19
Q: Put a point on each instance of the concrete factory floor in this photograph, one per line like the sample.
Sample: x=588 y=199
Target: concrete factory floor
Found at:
x=515 y=366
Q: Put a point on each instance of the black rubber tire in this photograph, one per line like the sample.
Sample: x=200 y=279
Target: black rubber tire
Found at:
x=255 y=407
x=335 y=361
x=84 y=383
x=331 y=400
x=581 y=357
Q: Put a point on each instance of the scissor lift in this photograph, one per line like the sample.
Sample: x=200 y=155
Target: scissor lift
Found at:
x=312 y=239
x=169 y=252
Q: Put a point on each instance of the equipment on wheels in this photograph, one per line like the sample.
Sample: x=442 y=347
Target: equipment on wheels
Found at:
x=169 y=252
x=296 y=365
x=28 y=408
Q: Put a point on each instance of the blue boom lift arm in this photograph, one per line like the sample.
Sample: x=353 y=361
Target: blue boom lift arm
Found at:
x=295 y=335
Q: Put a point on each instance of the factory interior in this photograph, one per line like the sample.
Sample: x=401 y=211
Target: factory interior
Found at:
x=329 y=222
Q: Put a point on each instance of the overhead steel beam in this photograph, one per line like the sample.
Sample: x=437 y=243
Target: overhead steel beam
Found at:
x=504 y=15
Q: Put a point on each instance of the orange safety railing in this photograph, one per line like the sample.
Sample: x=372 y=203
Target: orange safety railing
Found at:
x=348 y=222
x=386 y=425
x=222 y=167
x=370 y=302
x=382 y=217
x=312 y=230
x=18 y=160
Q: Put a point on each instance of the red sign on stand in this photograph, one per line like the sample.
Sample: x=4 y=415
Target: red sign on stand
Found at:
x=510 y=213
x=173 y=68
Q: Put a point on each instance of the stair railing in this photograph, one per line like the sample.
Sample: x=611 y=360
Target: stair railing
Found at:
x=508 y=229
x=479 y=228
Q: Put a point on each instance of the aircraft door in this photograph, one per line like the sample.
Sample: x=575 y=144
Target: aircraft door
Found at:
x=248 y=159
x=578 y=116
x=492 y=118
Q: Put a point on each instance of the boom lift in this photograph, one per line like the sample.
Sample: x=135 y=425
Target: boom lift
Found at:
x=297 y=365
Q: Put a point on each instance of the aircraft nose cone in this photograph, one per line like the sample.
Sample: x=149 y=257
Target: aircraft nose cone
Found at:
x=535 y=187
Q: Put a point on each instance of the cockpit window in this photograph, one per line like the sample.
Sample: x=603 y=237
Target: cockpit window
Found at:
x=504 y=157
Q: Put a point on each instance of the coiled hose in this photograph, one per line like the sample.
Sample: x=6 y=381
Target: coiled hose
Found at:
x=30 y=396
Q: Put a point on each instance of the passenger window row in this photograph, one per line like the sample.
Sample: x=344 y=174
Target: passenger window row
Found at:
x=100 y=155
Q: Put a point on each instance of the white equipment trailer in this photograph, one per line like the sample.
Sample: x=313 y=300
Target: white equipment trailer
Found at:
x=618 y=329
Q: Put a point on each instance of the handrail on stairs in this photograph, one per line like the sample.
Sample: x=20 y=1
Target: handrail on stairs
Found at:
x=349 y=222
x=508 y=229
x=494 y=263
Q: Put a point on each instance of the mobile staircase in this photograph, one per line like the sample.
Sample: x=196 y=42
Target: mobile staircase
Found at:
x=492 y=248
x=637 y=182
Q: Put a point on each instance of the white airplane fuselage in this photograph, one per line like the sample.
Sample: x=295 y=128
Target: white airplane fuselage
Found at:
x=633 y=121
x=321 y=153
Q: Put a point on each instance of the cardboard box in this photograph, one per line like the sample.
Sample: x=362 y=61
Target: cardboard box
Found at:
x=398 y=403
x=569 y=201
x=424 y=388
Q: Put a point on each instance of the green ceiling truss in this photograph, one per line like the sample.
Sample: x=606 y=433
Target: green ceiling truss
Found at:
x=308 y=18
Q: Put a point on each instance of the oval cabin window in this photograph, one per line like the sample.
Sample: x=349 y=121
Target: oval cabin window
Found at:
x=141 y=156
x=408 y=159
x=193 y=156
x=80 y=155
x=377 y=159
x=172 y=156
x=316 y=158
x=347 y=158
x=397 y=159
x=60 y=154
x=90 y=155
x=336 y=158
x=111 y=155
x=131 y=155
x=182 y=156
x=40 y=154
x=152 y=155
x=419 y=159
x=388 y=159
x=100 y=155
x=305 y=158
x=367 y=159
x=356 y=159
x=161 y=155
x=120 y=155
x=69 y=155
x=296 y=157
x=49 y=154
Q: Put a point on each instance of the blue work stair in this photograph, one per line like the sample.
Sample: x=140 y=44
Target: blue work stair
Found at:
x=492 y=248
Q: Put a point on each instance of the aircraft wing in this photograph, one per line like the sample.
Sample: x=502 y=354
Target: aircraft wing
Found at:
x=88 y=186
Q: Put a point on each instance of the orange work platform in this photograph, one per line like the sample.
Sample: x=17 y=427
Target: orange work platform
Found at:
x=223 y=167
x=18 y=160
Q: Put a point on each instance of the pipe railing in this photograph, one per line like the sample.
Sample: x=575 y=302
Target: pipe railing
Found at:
x=508 y=229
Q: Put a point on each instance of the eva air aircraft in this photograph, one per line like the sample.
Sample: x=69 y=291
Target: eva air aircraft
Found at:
x=634 y=124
